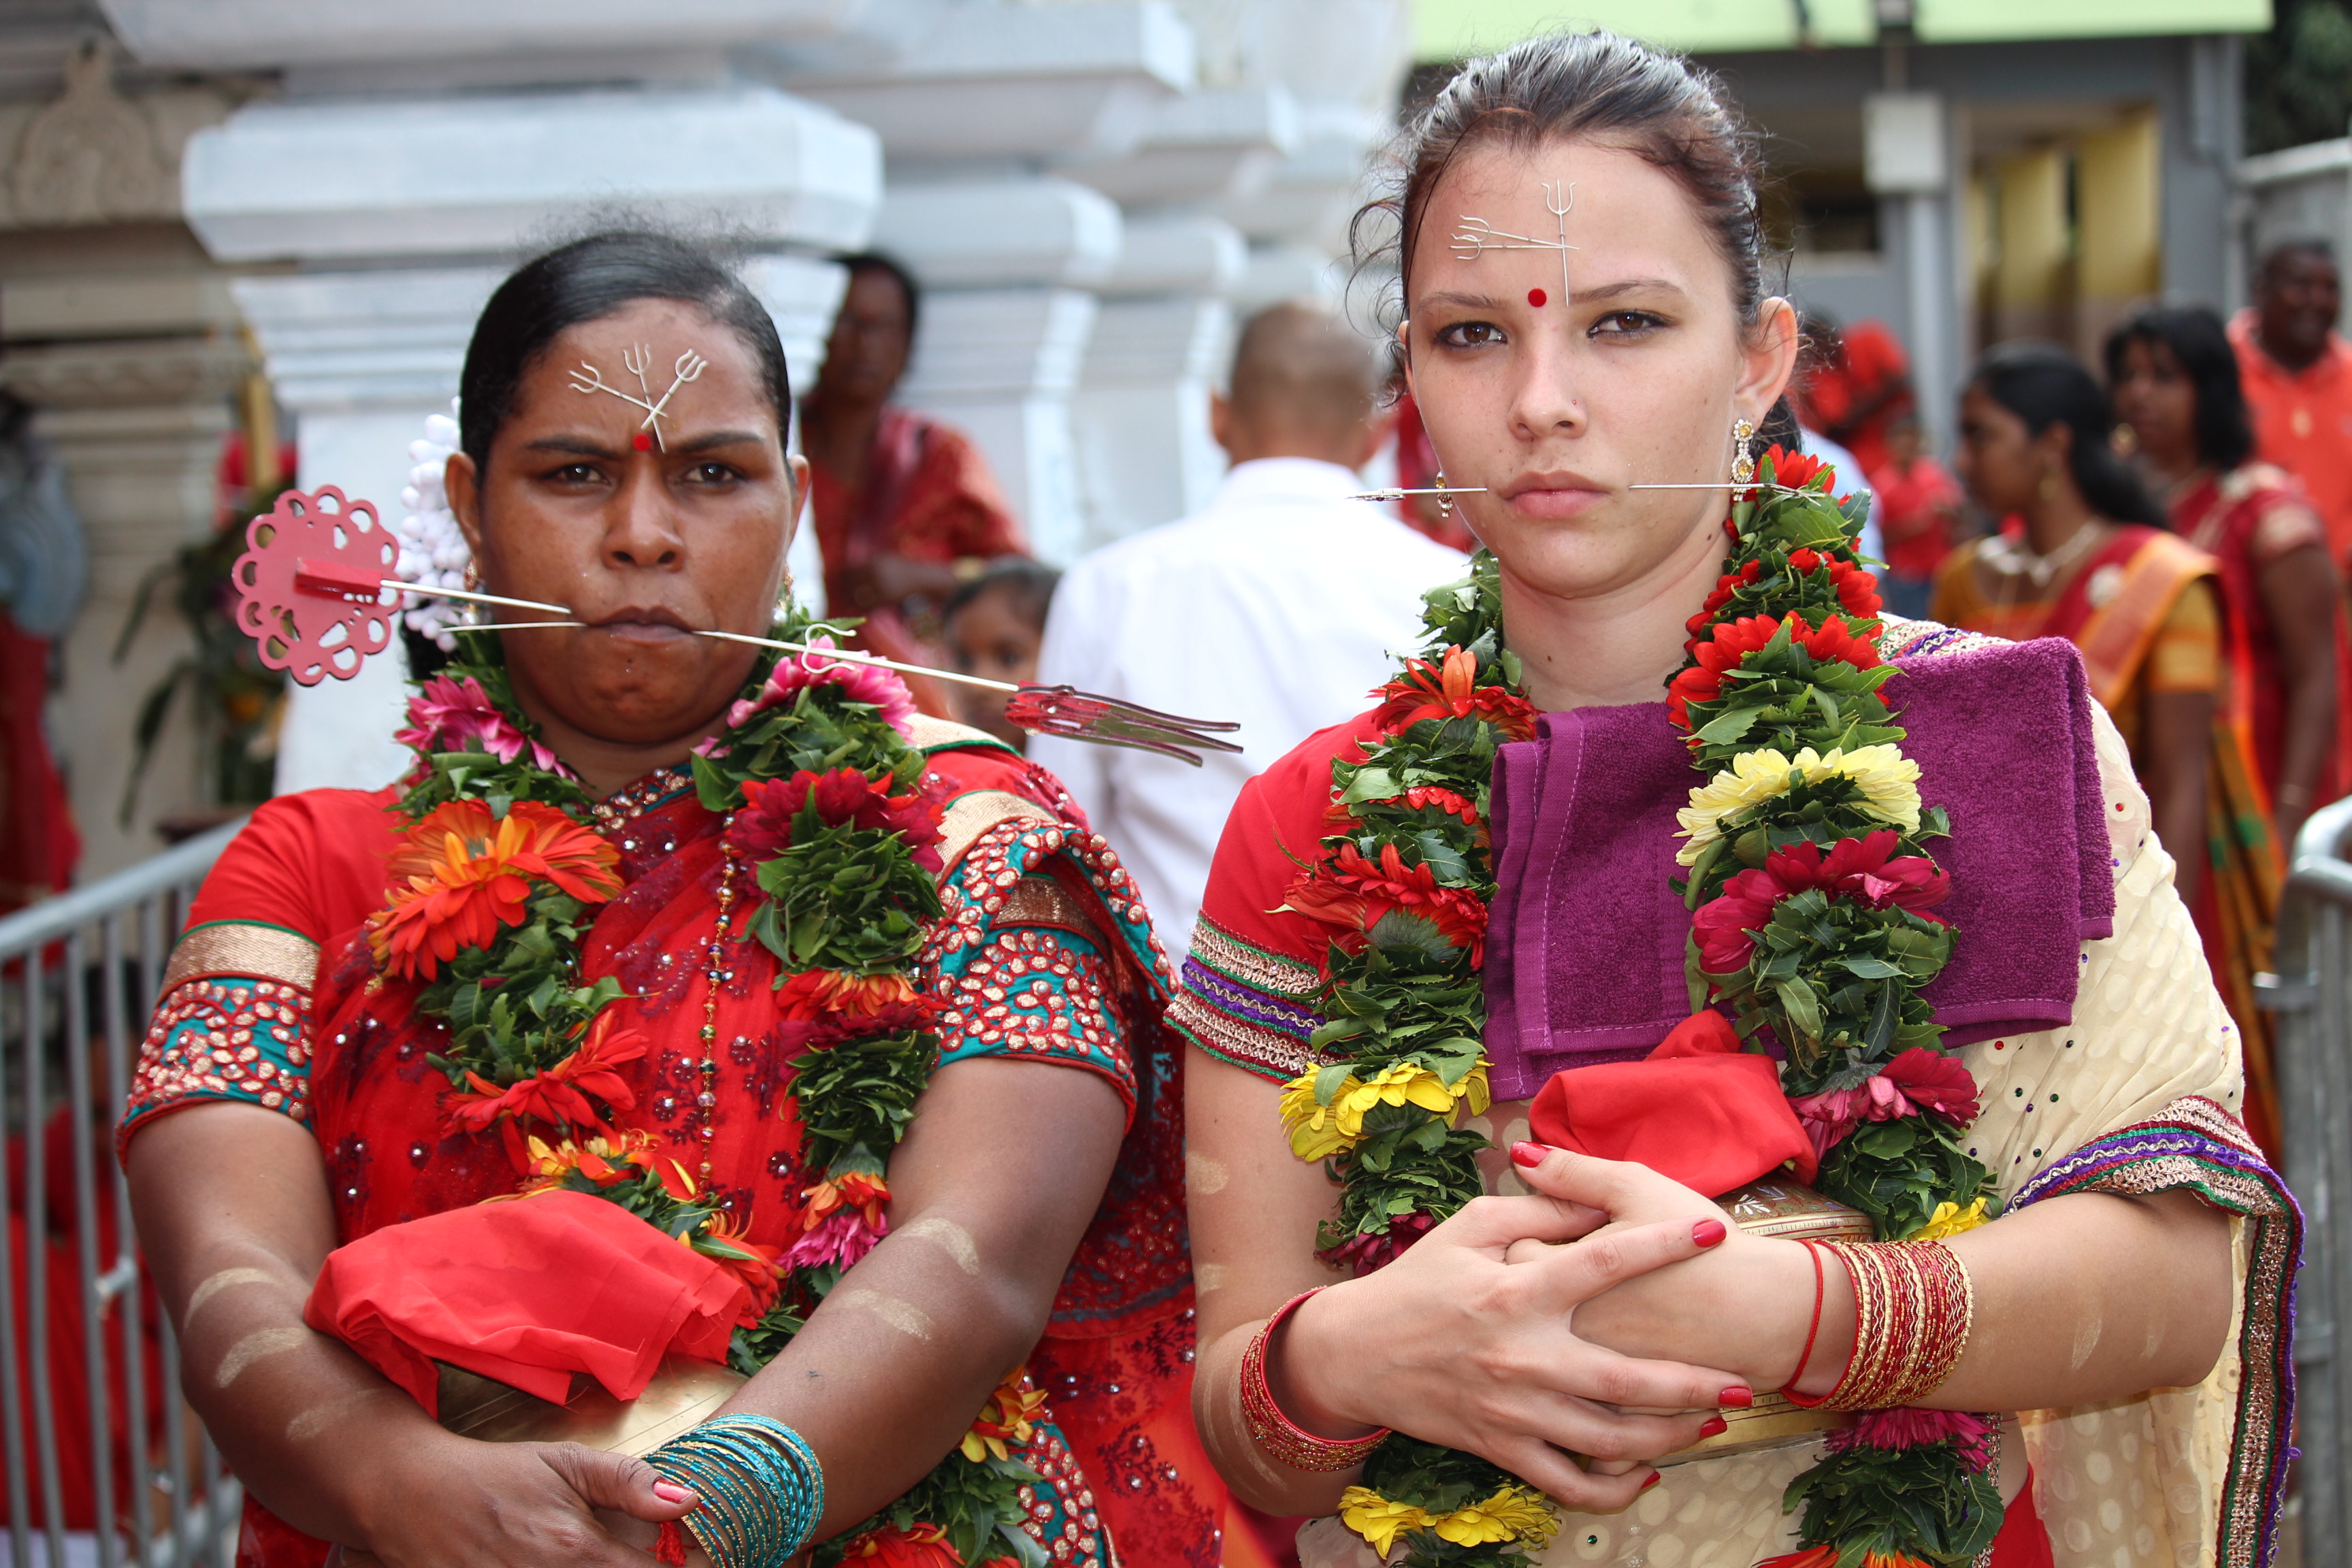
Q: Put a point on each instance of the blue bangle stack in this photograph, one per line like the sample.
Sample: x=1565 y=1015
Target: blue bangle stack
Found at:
x=762 y=1490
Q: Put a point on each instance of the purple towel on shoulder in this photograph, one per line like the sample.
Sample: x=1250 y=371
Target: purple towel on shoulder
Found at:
x=1584 y=953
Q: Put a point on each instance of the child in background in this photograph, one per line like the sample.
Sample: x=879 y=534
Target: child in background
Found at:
x=1920 y=505
x=993 y=625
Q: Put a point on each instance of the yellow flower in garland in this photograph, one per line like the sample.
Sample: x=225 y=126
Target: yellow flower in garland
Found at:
x=1378 y=1520
x=1949 y=1220
x=1513 y=1513
x=1317 y=1130
x=1889 y=783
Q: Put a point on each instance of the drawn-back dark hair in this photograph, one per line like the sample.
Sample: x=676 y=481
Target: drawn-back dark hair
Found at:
x=1595 y=86
x=2044 y=385
x=586 y=280
x=2199 y=345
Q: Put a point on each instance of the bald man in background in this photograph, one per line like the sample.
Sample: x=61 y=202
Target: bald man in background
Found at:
x=1279 y=605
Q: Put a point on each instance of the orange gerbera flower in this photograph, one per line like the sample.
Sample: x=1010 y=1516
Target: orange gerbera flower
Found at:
x=1008 y=1420
x=463 y=873
x=756 y=1267
x=603 y=1159
x=816 y=994
x=866 y=1192
x=1428 y=691
x=559 y=1095
x=925 y=1546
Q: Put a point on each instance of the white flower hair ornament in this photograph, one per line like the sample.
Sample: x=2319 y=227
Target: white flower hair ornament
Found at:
x=433 y=553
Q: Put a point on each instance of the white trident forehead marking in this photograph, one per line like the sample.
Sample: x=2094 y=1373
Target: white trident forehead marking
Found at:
x=637 y=362
x=1477 y=236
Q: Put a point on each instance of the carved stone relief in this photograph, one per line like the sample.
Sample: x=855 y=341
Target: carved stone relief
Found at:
x=91 y=155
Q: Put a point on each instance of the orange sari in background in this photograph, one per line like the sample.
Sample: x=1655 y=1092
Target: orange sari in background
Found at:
x=2246 y=520
x=2145 y=610
x=929 y=496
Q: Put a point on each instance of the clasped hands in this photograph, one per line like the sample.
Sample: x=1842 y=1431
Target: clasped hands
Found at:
x=1611 y=1316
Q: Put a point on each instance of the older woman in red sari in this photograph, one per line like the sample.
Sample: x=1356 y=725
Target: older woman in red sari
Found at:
x=2176 y=385
x=910 y=1109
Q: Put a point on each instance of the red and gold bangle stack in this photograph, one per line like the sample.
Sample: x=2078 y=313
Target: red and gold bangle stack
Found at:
x=1274 y=1432
x=1913 y=1304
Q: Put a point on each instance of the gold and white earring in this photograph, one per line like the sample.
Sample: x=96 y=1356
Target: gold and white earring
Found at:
x=1743 y=460
x=1444 y=502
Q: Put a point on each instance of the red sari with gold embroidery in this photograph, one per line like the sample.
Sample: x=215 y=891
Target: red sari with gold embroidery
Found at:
x=1043 y=951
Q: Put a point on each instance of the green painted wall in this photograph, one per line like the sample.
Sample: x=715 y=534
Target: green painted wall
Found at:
x=1453 y=29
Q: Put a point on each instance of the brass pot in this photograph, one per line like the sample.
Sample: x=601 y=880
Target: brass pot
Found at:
x=1786 y=1212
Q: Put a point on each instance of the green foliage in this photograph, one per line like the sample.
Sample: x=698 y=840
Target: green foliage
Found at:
x=1897 y=1173
x=843 y=898
x=2298 y=78
x=978 y=1504
x=1438 y=1481
x=513 y=1007
x=860 y=1094
x=1924 y=1501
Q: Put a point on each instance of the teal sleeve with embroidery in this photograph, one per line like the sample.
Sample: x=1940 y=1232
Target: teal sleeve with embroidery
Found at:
x=225 y=1037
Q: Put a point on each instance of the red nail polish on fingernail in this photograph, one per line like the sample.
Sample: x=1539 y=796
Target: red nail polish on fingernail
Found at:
x=1646 y=1486
x=1707 y=1232
x=670 y=1491
x=1739 y=1396
x=1715 y=1424
x=1528 y=1154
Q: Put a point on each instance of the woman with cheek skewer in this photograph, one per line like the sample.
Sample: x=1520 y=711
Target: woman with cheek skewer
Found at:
x=819 y=1042
x=1678 y=1080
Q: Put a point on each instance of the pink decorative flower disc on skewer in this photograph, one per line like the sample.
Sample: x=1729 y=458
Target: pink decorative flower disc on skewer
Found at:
x=309 y=584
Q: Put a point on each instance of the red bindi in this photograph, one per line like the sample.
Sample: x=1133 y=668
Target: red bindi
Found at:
x=643 y=442
x=1537 y=297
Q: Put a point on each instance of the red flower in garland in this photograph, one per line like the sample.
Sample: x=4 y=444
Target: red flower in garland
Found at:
x=1427 y=691
x=1796 y=469
x=1354 y=894
x=559 y=1095
x=463 y=873
x=1857 y=590
x=843 y=797
x=1907 y=1427
x=1919 y=1081
x=1866 y=871
x=1419 y=797
x=1729 y=642
x=1831 y=1556
x=866 y=1004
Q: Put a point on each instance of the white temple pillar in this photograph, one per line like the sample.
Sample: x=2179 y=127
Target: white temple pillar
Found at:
x=390 y=200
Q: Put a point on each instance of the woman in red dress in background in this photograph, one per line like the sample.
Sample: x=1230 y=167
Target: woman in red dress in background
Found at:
x=2176 y=385
x=298 y=1095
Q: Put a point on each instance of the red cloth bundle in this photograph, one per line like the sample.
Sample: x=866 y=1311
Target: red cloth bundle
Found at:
x=1698 y=1109
x=528 y=1293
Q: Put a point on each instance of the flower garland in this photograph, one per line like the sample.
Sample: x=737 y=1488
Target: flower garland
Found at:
x=827 y=805
x=1811 y=895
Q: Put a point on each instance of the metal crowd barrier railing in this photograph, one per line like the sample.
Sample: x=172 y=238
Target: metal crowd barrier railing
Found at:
x=2313 y=994
x=104 y=1466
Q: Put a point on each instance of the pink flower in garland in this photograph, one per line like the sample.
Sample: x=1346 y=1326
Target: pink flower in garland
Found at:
x=1907 y=1427
x=1866 y=871
x=1364 y=1253
x=448 y=715
x=1919 y=1082
x=844 y=1220
x=795 y=673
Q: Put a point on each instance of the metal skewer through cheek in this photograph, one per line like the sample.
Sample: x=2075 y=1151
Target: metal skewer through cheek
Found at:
x=1061 y=710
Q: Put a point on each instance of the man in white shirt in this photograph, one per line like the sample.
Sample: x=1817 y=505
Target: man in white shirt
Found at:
x=1276 y=606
